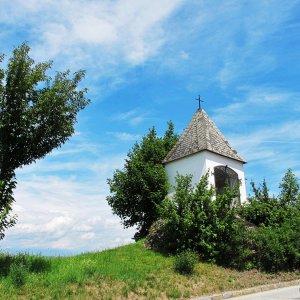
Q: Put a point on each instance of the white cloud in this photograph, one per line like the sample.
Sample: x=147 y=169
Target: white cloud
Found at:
x=88 y=236
x=53 y=211
x=125 y=136
x=129 y=31
x=184 y=55
x=61 y=201
x=264 y=101
x=56 y=223
x=83 y=228
x=275 y=146
x=136 y=120
x=132 y=117
x=125 y=115
x=95 y=220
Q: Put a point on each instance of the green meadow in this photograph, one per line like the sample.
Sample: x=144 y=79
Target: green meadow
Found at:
x=127 y=272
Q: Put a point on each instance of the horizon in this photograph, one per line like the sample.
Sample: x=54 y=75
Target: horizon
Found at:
x=146 y=63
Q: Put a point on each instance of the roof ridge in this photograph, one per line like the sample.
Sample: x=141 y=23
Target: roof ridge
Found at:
x=222 y=136
x=207 y=134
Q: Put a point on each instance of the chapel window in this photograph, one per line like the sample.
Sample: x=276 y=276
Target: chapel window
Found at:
x=225 y=176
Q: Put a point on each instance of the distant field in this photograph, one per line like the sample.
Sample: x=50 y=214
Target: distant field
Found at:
x=128 y=272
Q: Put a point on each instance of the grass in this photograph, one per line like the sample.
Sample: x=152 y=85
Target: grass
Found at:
x=128 y=272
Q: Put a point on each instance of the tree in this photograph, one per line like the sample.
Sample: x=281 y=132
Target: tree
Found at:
x=37 y=114
x=142 y=184
x=289 y=186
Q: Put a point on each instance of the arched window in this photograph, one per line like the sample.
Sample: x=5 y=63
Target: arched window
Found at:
x=225 y=176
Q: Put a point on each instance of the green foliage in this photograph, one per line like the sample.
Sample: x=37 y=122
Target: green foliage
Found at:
x=18 y=274
x=289 y=186
x=34 y=264
x=18 y=267
x=185 y=262
x=37 y=114
x=6 y=194
x=277 y=248
x=261 y=209
x=194 y=220
x=274 y=243
x=263 y=233
x=142 y=184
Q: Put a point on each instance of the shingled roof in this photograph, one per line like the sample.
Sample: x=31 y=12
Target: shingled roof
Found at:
x=201 y=134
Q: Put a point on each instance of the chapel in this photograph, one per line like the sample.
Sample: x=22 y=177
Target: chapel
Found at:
x=202 y=148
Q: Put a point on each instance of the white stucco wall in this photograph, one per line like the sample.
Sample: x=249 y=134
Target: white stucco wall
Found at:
x=198 y=164
x=191 y=165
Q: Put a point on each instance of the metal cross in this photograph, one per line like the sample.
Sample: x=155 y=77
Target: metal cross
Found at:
x=199 y=99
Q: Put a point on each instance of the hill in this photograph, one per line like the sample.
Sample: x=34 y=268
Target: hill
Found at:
x=127 y=272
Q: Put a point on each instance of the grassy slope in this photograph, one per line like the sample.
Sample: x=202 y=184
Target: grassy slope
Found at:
x=126 y=272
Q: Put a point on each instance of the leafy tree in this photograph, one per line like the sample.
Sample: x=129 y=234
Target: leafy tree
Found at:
x=37 y=114
x=142 y=184
x=289 y=186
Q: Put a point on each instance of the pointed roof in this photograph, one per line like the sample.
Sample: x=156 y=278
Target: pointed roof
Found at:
x=201 y=134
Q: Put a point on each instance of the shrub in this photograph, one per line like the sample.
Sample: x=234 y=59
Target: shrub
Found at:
x=37 y=264
x=185 y=262
x=261 y=209
x=5 y=263
x=15 y=265
x=186 y=216
x=18 y=274
x=263 y=233
x=237 y=251
x=193 y=220
x=278 y=248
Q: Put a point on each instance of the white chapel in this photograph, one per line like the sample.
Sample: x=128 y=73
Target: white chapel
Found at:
x=202 y=148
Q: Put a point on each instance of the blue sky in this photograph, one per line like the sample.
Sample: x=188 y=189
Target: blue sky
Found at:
x=146 y=62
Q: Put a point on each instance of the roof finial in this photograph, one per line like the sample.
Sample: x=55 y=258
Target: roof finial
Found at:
x=199 y=100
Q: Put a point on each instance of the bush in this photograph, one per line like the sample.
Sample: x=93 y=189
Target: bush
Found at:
x=277 y=248
x=38 y=264
x=13 y=265
x=193 y=220
x=185 y=262
x=18 y=274
x=261 y=209
x=237 y=251
x=262 y=234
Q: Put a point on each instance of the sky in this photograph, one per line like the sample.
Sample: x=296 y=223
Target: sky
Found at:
x=146 y=62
